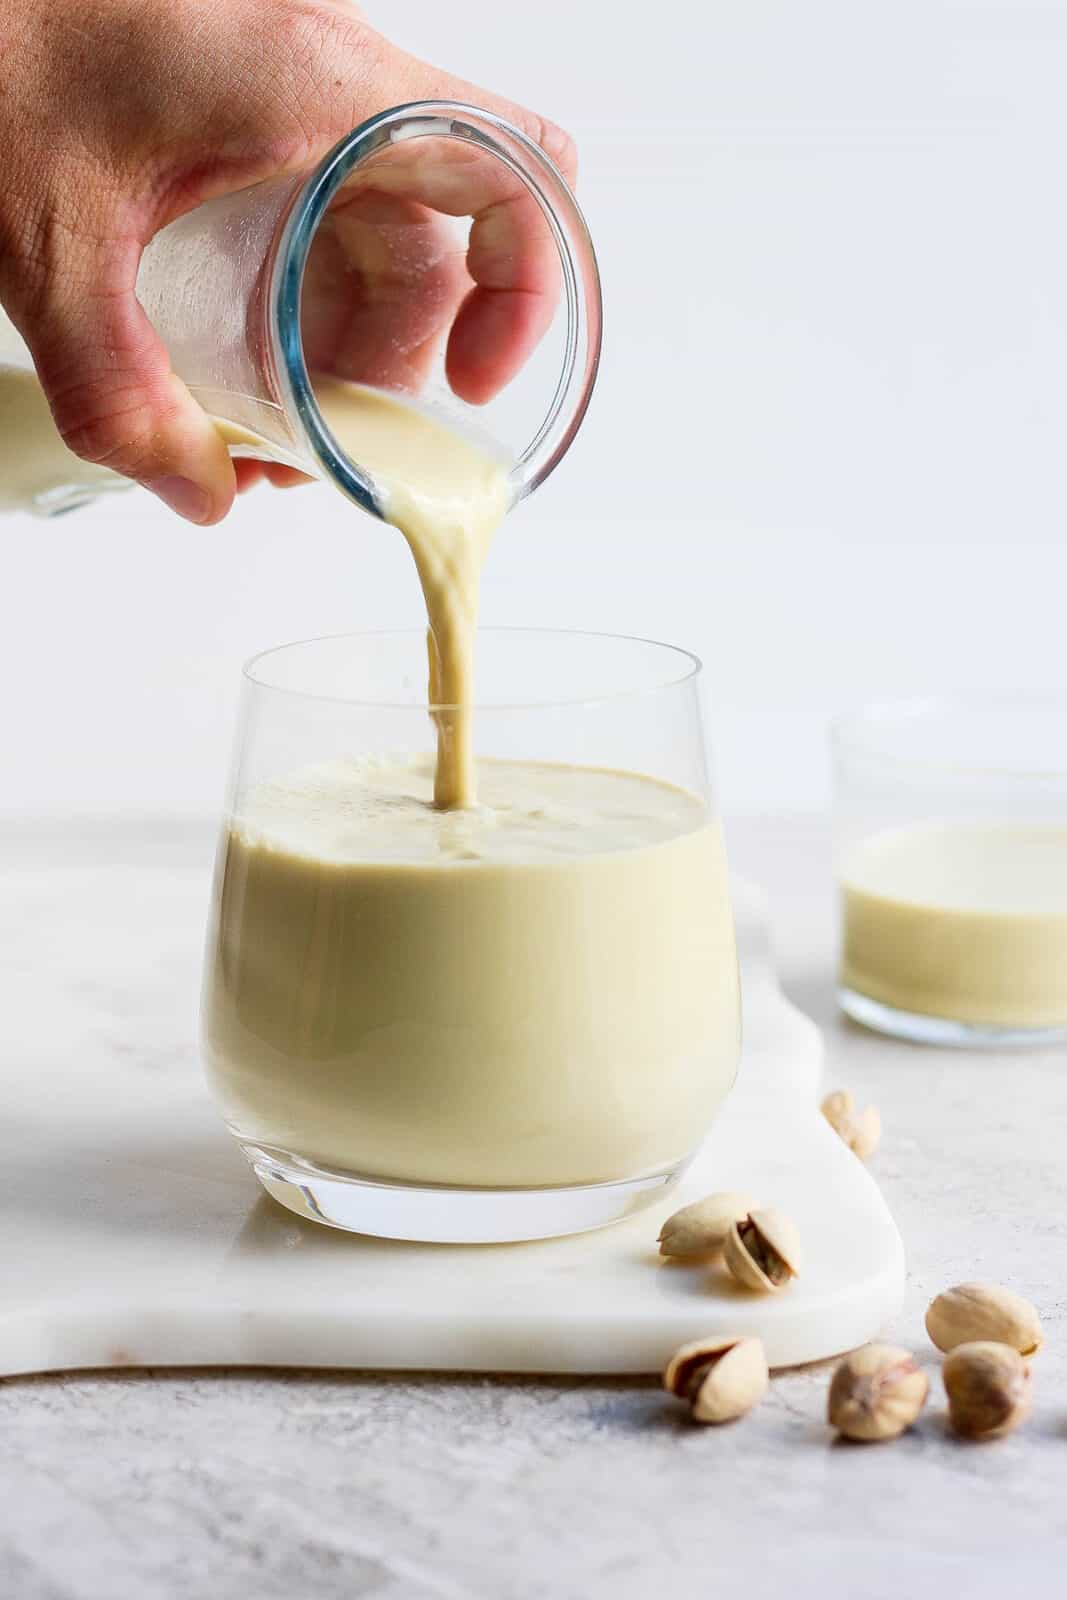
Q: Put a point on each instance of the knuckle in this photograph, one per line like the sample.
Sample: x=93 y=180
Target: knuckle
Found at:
x=555 y=141
x=558 y=143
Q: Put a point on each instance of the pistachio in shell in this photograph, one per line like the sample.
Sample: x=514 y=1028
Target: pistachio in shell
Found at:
x=698 y=1231
x=762 y=1251
x=722 y=1378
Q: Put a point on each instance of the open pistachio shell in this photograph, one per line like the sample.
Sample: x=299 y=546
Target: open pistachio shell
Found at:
x=689 y=1363
x=762 y=1251
x=722 y=1378
x=733 y=1384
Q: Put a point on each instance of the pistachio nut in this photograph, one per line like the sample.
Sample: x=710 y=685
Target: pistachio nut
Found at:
x=839 y=1108
x=866 y=1133
x=699 y=1230
x=860 y=1130
x=988 y=1388
x=876 y=1392
x=983 y=1311
x=722 y=1378
x=762 y=1250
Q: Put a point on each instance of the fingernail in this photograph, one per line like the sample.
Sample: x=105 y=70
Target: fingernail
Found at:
x=183 y=496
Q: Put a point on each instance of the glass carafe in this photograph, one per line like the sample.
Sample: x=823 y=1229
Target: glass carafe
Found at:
x=383 y=226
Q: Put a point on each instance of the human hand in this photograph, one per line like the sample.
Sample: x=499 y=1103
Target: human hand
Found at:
x=120 y=115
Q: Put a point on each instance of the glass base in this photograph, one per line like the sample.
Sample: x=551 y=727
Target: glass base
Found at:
x=918 y=1029
x=440 y=1214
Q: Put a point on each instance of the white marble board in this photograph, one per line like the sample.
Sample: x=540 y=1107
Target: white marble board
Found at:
x=132 y=1233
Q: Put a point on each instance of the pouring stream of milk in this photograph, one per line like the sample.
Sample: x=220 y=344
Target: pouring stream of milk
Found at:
x=447 y=497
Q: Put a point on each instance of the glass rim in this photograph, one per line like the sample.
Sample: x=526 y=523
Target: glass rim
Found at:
x=581 y=290
x=693 y=667
x=855 y=732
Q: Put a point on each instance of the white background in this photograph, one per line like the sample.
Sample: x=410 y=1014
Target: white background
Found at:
x=826 y=450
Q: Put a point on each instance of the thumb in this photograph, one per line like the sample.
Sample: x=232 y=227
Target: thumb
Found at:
x=114 y=398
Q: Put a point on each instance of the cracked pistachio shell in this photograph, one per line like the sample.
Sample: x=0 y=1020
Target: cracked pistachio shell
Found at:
x=721 y=1378
x=866 y=1133
x=700 y=1229
x=875 y=1393
x=736 y=1382
x=839 y=1108
x=762 y=1251
x=689 y=1362
x=988 y=1389
x=984 y=1311
x=860 y=1130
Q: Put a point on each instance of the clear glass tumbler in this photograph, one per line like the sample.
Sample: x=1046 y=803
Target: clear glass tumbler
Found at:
x=498 y=1024
x=951 y=820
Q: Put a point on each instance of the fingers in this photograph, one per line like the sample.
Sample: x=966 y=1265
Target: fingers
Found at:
x=248 y=473
x=494 y=333
x=512 y=259
x=282 y=477
x=382 y=286
x=392 y=275
x=113 y=395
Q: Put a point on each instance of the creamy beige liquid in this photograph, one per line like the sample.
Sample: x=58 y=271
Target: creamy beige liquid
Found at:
x=540 y=991
x=963 y=922
x=34 y=462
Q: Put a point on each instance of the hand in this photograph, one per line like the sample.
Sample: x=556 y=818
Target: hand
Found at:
x=119 y=115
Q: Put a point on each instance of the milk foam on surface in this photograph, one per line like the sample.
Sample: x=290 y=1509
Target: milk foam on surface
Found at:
x=381 y=810
x=962 y=921
x=538 y=992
